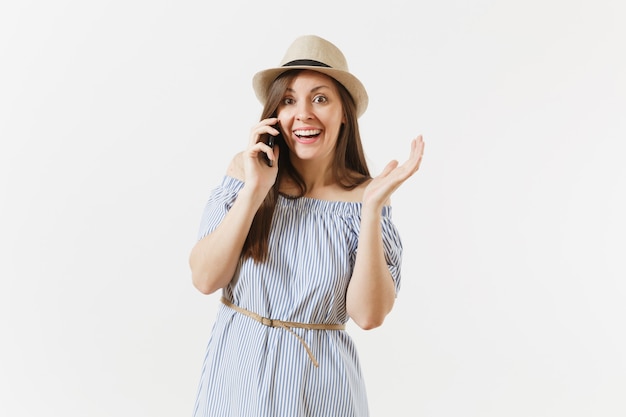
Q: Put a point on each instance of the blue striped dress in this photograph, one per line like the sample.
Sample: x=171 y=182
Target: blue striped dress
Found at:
x=251 y=370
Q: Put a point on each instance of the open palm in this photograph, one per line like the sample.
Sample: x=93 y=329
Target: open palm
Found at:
x=379 y=190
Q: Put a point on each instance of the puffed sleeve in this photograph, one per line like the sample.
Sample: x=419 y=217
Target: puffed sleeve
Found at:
x=392 y=244
x=393 y=247
x=220 y=201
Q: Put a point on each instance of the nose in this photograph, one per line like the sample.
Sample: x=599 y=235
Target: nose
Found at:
x=304 y=110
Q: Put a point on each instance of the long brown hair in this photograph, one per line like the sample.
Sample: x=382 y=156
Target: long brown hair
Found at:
x=349 y=167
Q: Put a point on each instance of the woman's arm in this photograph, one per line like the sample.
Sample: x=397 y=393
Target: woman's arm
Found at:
x=371 y=292
x=214 y=258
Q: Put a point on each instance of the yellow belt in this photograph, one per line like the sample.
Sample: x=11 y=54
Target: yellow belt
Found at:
x=287 y=325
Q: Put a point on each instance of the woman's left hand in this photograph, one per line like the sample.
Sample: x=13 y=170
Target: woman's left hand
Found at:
x=379 y=190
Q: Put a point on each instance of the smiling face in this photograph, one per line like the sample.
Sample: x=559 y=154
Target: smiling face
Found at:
x=311 y=115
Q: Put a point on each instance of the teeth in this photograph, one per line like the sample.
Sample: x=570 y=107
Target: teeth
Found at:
x=307 y=132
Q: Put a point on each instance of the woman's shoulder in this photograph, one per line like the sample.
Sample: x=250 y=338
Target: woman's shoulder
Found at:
x=235 y=168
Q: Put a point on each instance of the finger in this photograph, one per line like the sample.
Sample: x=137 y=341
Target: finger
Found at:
x=408 y=167
x=389 y=168
x=253 y=151
x=415 y=157
x=269 y=130
x=419 y=146
x=263 y=152
x=263 y=127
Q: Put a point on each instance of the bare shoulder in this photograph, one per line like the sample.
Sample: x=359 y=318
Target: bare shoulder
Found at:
x=235 y=168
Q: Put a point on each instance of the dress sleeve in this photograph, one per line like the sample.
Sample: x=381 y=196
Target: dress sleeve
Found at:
x=392 y=245
x=220 y=201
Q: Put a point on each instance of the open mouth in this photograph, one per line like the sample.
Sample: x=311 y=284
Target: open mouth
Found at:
x=307 y=134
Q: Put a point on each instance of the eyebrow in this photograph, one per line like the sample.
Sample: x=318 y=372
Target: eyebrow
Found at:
x=314 y=89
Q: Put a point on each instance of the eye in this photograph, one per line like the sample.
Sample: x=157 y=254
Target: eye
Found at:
x=287 y=101
x=320 y=99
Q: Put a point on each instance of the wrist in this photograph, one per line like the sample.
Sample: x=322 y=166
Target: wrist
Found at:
x=252 y=195
x=371 y=211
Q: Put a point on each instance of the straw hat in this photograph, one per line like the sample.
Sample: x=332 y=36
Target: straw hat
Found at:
x=317 y=54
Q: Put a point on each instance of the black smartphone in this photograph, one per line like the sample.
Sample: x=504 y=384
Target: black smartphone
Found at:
x=271 y=140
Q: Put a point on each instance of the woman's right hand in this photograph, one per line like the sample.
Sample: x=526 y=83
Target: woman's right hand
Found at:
x=257 y=173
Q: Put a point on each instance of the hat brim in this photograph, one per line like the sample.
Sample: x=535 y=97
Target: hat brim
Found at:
x=263 y=79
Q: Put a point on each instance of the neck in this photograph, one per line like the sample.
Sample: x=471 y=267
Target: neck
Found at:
x=316 y=176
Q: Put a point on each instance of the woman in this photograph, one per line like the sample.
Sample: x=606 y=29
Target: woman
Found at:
x=298 y=237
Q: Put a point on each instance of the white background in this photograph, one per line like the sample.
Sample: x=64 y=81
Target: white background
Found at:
x=117 y=118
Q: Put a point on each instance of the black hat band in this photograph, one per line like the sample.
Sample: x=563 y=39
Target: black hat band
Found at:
x=306 y=62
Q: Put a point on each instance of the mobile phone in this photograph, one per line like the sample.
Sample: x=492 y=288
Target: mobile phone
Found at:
x=271 y=140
